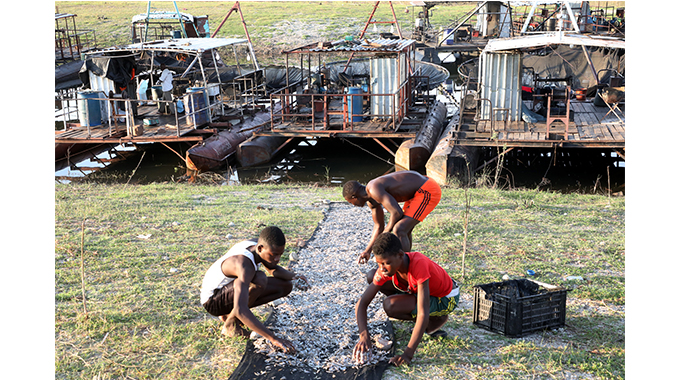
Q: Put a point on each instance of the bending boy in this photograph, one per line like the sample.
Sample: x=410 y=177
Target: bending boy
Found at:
x=417 y=290
x=419 y=193
x=233 y=284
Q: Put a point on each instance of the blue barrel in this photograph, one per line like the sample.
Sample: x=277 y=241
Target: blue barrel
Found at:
x=89 y=111
x=193 y=102
x=355 y=103
x=176 y=34
x=449 y=41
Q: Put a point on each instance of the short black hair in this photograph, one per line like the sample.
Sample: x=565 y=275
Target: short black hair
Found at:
x=350 y=188
x=387 y=244
x=273 y=236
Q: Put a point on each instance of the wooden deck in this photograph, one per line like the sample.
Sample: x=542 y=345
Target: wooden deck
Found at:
x=333 y=124
x=165 y=131
x=589 y=127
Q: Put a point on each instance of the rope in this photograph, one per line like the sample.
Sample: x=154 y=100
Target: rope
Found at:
x=367 y=151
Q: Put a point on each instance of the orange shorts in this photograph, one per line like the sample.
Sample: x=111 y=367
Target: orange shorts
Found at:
x=424 y=201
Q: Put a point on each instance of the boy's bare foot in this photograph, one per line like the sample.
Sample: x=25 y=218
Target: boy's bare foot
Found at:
x=233 y=328
x=435 y=324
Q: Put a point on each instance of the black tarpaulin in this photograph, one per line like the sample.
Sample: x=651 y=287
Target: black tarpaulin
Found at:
x=253 y=366
x=563 y=61
x=119 y=69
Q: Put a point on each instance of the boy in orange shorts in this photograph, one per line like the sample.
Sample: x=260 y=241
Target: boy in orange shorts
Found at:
x=419 y=193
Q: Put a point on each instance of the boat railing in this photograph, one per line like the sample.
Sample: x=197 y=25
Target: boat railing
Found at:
x=196 y=113
x=246 y=90
x=322 y=112
x=600 y=20
x=69 y=41
x=419 y=84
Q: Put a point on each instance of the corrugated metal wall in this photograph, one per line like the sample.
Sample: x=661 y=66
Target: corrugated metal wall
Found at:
x=387 y=74
x=499 y=75
x=105 y=85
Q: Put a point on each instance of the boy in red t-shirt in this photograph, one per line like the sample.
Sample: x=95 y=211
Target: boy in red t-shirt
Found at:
x=417 y=290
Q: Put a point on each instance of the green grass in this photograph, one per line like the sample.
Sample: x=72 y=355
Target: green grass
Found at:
x=266 y=20
x=146 y=249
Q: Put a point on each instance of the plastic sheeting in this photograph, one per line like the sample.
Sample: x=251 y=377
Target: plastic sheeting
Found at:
x=253 y=366
x=564 y=61
x=361 y=67
x=118 y=69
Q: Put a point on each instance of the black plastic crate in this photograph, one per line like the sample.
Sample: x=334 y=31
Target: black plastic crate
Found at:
x=519 y=307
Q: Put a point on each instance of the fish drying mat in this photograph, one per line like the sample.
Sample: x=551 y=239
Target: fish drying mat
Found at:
x=320 y=321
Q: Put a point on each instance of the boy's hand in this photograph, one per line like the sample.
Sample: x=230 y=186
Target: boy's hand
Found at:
x=362 y=351
x=404 y=358
x=301 y=282
x=284 y=345
x=364 y=256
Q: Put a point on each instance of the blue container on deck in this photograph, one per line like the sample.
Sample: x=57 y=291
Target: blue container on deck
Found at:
x=176 y=34
x=450 y=40
x=355 y=104
x=195 y=101
x=89 y=111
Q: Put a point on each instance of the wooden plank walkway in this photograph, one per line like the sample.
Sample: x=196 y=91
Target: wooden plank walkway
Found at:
x=589 y=126
x=164 y=131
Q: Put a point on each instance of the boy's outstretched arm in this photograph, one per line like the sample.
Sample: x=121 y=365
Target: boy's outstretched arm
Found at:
x=245 y=315
x=364 y=345
x=378 y=227
x=422 y=320
x=283 y=273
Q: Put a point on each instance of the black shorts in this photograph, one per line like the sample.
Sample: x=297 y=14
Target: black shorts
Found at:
x=222 y=301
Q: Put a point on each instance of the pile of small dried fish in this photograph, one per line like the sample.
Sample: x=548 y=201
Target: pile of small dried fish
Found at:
x=320 y=321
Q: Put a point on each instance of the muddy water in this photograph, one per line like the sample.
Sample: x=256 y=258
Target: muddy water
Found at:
x=335 y=161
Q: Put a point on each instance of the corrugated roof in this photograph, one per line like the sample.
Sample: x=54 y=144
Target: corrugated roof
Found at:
x=556 y=38
x=368 y=45
x=189 y=45
x=162 y=15
x=63 y=15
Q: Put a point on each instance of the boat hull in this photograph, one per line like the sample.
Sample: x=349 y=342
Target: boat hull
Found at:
x=213 y=152
x=414 y=153
x=449 y=160
x=259 y=150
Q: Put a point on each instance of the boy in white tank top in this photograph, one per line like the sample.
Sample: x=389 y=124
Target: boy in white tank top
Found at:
x=234 y=284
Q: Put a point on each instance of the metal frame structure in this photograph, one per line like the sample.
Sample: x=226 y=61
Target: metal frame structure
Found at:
x=69 y=42
x=337 y=104
x=195 y=47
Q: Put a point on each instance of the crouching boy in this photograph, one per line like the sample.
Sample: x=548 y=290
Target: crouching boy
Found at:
x=417 y=290
x=233 y=284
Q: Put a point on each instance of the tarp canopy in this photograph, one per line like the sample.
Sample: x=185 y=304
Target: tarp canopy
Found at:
x=361 y=67
x=563 y=61
x=119 y=69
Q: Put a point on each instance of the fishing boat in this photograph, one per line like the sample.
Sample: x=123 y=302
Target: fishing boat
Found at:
x=540 y=90
x=120 y=103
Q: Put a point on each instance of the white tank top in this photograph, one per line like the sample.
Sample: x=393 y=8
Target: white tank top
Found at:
x=215 y=279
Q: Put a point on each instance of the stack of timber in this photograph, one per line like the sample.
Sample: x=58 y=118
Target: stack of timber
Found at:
x=414 y=153
x=450 y=160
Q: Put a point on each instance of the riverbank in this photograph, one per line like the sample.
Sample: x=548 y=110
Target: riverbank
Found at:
x=145 y=249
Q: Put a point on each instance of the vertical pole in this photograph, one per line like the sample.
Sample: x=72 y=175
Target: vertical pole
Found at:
x=146 y=21
x=179 y=17
x=250 y=44
x=395 y=21
x=529 y=16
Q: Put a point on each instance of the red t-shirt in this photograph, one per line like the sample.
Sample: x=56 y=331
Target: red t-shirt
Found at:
x=420 y=269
